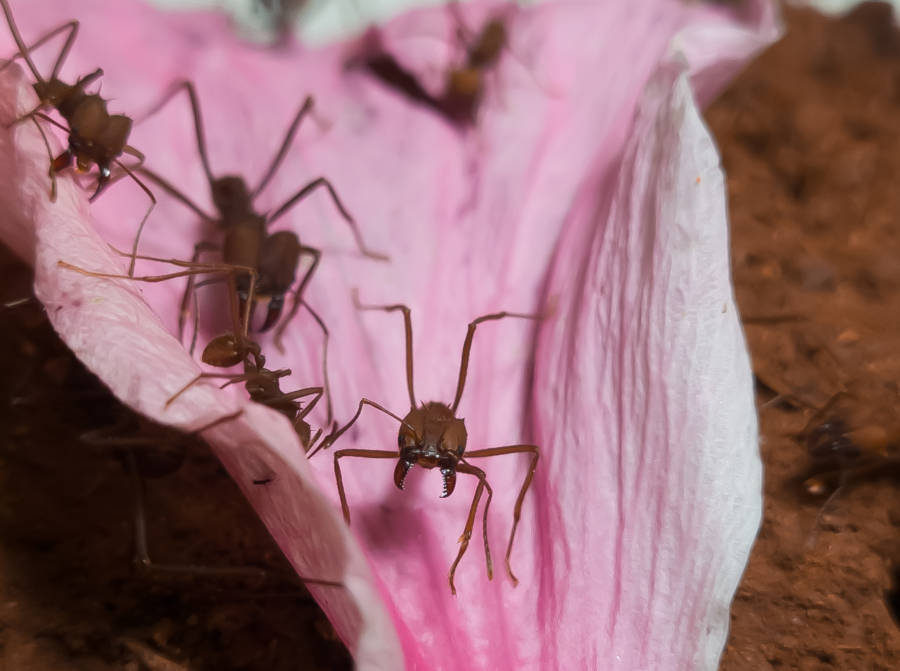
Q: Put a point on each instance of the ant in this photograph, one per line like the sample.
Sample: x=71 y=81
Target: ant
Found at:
x=95 y=136
x=247 y=242
x=432 y=436
x=841 y=455
x=262 y=384
x=235 y=347
x=464 y=86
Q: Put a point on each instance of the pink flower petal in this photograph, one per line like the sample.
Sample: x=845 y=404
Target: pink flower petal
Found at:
x=647 y=495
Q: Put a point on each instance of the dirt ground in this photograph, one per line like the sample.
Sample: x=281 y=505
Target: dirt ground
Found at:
x=811 y=144
x=70 y=598
x=810 y=136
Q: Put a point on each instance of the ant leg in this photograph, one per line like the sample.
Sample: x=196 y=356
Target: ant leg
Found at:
x=24 y=51
x=71 y=26
x=59 y=163
x=309 y=188
x=285 y=145
x=176 y=193
x=329 y=409
x=328 y=442
x=298 y=293
x=35 y=112
x=232 y=379
x=201 y=269
x=463 y=467
x=319 y=392
x=199 y=248
x=52 y=172
x=193 y=269
x=137 y=237
x=467 y=347
x=17 y=302
x=67 y=45
x=141 y=553
x=196 y=321
x=517 y=511
x=407 y=323
x=188 y=87
x=365 y=454
x=294 y=395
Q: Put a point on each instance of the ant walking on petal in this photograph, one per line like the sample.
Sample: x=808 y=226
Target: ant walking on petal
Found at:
x=95 y=137
x=247 y=242
x=432 y=436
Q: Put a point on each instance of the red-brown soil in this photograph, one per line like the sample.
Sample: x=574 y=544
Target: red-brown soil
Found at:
x=69 y=595
x=810 y=137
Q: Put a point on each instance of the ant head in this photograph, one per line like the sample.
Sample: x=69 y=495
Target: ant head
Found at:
x=52 y=92
x=230 y=194
x=431 y=436
x=228 y=350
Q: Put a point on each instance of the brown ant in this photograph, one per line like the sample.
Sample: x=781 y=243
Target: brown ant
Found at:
x=843 y=455
x=262 y=384
x=432 y=436
x=95 y=136
x=247 y=243
x=464 y=85
x=235 y=347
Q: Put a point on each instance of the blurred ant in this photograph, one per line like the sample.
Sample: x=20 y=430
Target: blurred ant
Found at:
x=464 y=85
x=95 y=136
x=432 y=436
x=843 y=454
x=840 y=454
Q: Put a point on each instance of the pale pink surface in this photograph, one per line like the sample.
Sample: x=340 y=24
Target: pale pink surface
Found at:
x=647 y=496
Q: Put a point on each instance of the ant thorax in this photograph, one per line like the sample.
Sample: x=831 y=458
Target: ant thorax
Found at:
x=232 y=199
x=432 y=437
